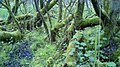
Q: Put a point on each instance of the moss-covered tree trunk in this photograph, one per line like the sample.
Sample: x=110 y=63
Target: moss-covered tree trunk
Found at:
x=106 y=5
x=69 y=60
x=78 y=17
x=60 y=11
x=79 y=12
x=109 y=25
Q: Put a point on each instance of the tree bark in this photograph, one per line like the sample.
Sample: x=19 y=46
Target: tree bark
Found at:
x=60 y=11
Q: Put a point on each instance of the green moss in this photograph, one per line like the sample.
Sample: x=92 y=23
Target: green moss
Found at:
x=49 y=62
x=41 y=49
x=93 y=20
x=52 y=3
x=58 y=25
x=7 y=36
x=71 y=27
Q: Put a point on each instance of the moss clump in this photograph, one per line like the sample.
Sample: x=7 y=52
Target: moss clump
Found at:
x=49 y=62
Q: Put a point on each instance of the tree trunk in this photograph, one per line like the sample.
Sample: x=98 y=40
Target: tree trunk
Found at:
x=109 y=26
x=60 y=11
x=69 y=60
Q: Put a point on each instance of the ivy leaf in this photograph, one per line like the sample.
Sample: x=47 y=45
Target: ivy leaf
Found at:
x=77 y=65
x=111 y=64
x=72 y=51
x=81 y=59
x=75 y=42
x=86 y=55
x=104 y=38
x=91 y=59
x=77 y=46
x=92 y=42
x=79 y=54
x=83 y=44
x=80 y=48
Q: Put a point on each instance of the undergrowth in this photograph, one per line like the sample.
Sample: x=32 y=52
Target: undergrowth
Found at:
x=32 y=51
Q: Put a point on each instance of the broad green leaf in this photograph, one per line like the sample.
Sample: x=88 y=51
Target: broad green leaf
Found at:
x=72 y=51
x=83 y=44
x=86 y=55
x=111 y=64
x=75 y=42
x=91 y=59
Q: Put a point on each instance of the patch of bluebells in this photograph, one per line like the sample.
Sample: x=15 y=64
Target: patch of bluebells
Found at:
x=20 y=52
x=12 y=63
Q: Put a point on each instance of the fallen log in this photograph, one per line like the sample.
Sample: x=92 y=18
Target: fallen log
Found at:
x=88 y=22
x=10 y=36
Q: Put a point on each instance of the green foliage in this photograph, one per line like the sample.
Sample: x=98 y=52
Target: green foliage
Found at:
x=86 y=53
x=41 y=49
x=86 y=48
